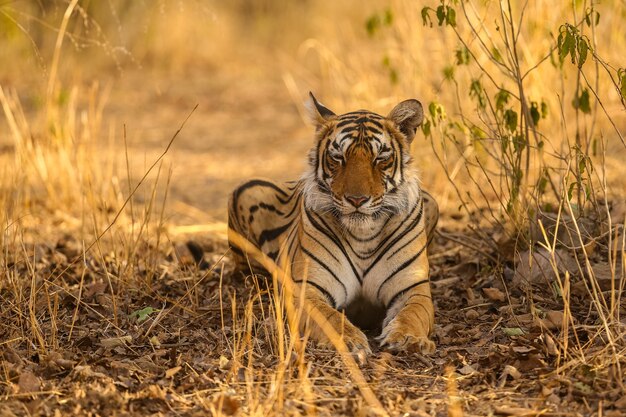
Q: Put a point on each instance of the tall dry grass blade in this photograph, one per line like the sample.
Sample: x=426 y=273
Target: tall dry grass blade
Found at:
x=54 y=67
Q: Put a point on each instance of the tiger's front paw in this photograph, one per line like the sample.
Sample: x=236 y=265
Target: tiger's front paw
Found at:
x=354 y=339
x=398 y=338
x=358 y=344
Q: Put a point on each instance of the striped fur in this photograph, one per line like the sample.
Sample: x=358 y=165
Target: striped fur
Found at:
x=354 y=228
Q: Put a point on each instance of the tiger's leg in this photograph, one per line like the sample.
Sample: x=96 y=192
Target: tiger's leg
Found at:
x=320 y=287
x=410 y=312
x=410 y=320
x=353 y=337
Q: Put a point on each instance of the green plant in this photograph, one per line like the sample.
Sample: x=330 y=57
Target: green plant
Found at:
x=500 y=139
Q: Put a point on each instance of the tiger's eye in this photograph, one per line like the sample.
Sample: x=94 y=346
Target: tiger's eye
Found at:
x=384 y=158
x=335 y=159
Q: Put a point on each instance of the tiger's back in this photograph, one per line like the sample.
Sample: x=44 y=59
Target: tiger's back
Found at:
x=263 y=212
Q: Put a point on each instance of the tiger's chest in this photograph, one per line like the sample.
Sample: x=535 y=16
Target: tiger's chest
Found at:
x=363 y=259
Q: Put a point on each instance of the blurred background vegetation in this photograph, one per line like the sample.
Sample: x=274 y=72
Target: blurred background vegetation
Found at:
x=84 y=72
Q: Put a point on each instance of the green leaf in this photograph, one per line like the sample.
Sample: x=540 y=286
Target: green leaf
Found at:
x=583 y=388
x=502 y=98
x=544 y=109
x=451 y=16
x=591 y=16
x=388 y=17
x=513 y=331
x=510 y=120
x=372 y=24
x=437 y=112
x=426 y=20
x=142 y=314
x=448 y=73
x=582 y=102
x=534 y=113
x=426 y=128
x=583 y=47
x=519 y=144
x=543 y=182
x=564 y=44
x=570 y=190
x=594 y=146
x=441 y=14
x=581 y=166
x=393 y=76
x=476 y=91
x=477 y=133
x=462 y=56
x=497 y=55
x=432 y=109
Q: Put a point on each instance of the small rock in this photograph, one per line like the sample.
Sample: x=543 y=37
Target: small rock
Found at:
x=472 y=314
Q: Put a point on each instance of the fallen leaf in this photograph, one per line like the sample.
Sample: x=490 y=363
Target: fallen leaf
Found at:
x=116 y=341
x=467 y=370
x=508 y=371
x=551 y=345
x=603 y=275
x=621 y=403
x=556 y=318
x=514 y=411
x=223 y=362
x=94 y=288
x=513 y=331
x=472 y=314
x=57 y=359
x=522 y=349
x=537 y=267
x=142 y=314
x=512 y=372
x=568 y=231
x=172 y=371
x=583 y=388
x=28 y=382
x=494 y=294
x=85 y=371
x=530 y=362
x=154 y=341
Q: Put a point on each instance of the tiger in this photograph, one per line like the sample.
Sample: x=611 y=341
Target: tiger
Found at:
x=354 y=230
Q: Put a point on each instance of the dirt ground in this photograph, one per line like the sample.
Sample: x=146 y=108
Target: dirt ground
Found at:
x=174 y=343
x=234 y=134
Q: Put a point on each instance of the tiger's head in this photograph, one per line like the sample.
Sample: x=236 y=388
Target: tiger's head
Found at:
x=360 y=165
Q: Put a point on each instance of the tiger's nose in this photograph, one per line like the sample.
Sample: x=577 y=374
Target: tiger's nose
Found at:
x=357 y=200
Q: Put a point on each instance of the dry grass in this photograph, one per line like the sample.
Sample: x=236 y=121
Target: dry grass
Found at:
x=102 y=308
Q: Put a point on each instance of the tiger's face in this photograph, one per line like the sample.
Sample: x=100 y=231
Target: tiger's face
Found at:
x=360 y=161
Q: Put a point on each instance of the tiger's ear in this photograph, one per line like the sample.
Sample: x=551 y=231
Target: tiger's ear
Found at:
x=318 y=112
x=408 y=116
